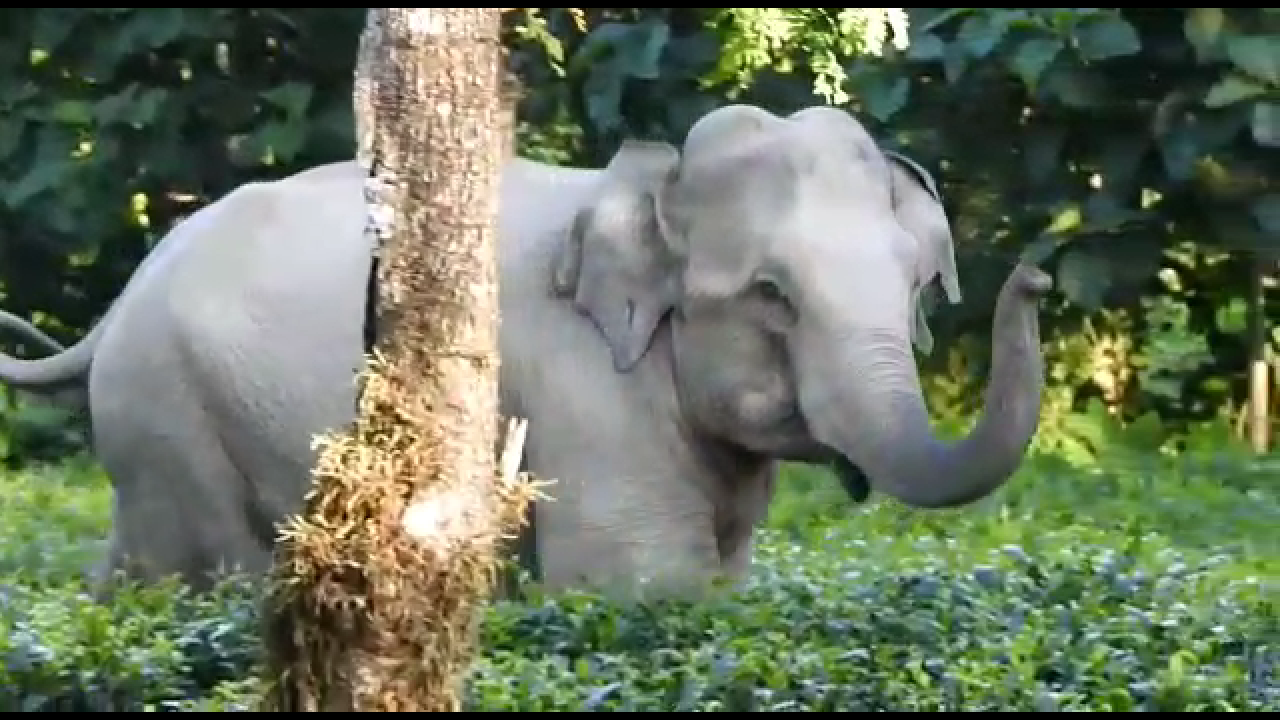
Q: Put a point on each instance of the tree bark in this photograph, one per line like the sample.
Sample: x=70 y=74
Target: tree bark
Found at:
x=377 y=587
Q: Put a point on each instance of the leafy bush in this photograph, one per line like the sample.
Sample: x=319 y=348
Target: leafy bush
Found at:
x=1150 y=587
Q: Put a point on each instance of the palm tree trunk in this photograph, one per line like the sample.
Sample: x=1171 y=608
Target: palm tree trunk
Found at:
x=377 y=588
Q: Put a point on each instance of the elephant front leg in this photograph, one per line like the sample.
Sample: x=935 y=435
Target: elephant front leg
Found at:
x=746 y=504
x=629 y=542
x=735 y=552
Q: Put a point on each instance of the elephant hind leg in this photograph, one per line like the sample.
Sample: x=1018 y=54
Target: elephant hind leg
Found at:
x=180 y=519
x=178 y=507
x=125 y=562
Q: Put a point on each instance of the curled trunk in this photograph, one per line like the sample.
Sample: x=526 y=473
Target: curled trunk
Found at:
x=884 y=426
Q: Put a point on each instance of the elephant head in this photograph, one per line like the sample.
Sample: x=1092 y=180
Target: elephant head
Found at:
x=789 y=254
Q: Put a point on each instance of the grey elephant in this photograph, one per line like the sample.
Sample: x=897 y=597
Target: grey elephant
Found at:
x=674 y=325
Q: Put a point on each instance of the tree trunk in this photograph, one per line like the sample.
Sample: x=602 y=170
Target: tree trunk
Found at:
x=377 y=587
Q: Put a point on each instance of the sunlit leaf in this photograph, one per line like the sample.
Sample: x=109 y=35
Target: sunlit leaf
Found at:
x=1257 y=55
x=1232 y=89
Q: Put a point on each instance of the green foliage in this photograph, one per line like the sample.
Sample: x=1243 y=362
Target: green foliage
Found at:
x=34 y=430
x=821 y=38
x=118 y=121
x=1126 y=148
x=1151 y=585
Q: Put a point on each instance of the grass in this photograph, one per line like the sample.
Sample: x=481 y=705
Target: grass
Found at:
x=1152 y=585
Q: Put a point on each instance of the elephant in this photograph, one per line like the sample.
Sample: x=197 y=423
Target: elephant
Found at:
x=674 y=325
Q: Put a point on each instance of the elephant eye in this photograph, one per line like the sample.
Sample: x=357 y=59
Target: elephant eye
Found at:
x=772 y=305
x=768 y=290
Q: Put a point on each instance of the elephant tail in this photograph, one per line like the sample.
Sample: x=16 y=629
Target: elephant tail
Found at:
x=49 y=373
x=15 y=324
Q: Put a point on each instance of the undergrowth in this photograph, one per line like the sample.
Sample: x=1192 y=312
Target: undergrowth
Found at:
x=1151 y=585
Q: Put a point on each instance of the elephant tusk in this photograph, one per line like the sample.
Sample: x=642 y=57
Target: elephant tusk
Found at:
x=513 y=450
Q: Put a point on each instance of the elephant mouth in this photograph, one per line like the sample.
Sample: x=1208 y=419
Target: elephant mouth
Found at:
x=855 y=482
x=792 y=441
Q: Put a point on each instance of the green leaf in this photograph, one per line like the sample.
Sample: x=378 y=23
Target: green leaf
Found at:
x=1221 y=127
x=596 y=46
x=633 y=49
x=49 y=29
x=1033 y=56
x=603 y=90
x=640 y=50
x=926 y=47
x=1266 y=210
x=112 y=108
x=955 y=62
x=1065 y=221
x=1103 y=212
x=1230 y=227
x=686 y=108
x=14 y=95
x=1266 y=124
x=1180 y=148
x=1076 y=87
x=11 y=137
x=1042 y=151
x=1232 y=318
x=883 y=95
x=1106 y=36
x=1134 y=256
x=42 y=176
x=147 y=108
x=1257 y=55
x=1147 y=433
x=979 y=34
x=131 y=107
x=535 y=28
x=281 y=141
x=1041 y=249
x=1084 y=277
x=1203 y=29
x=72 y=112
x=938 y=20
x=1121 y=156
x=162 y=26
x=291 y=97
x=1232 y=89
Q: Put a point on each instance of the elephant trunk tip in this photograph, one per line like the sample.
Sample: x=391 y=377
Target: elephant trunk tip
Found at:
x=1030 y=280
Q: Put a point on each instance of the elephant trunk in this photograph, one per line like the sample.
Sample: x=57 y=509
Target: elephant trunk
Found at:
x=879 y=421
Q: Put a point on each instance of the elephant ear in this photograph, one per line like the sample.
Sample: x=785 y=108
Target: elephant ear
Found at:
x=616 y=263
x=918 y=206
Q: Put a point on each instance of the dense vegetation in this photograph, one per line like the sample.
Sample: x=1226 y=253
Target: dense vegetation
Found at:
x=1151 y=585
x=1134 y=563
x=1129 y=147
